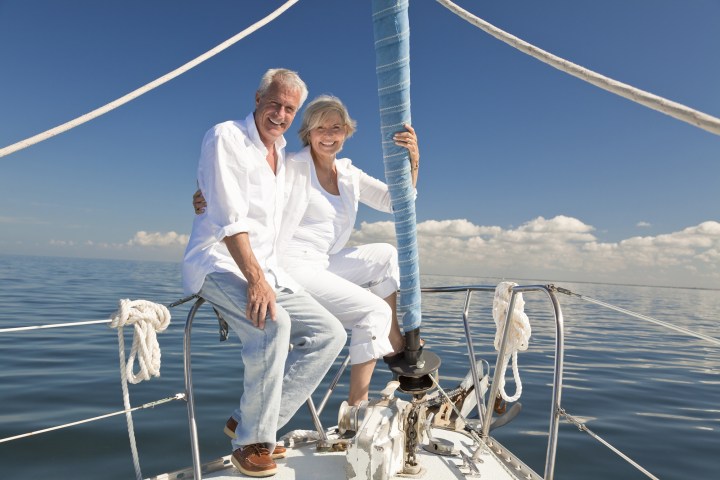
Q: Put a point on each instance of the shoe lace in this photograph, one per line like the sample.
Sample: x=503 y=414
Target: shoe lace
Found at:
x=258 y=448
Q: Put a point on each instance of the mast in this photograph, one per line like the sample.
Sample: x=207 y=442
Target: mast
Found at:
x=391 y=31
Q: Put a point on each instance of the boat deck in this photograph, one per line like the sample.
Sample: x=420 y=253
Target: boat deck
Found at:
x=305 y=461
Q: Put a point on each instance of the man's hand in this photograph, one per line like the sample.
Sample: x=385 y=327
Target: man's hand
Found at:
x=260 y=295
x=260 y=303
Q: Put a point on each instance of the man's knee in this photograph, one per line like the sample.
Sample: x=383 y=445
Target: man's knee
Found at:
x=281 y=324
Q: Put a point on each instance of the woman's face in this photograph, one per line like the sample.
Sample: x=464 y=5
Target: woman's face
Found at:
x=328 y=137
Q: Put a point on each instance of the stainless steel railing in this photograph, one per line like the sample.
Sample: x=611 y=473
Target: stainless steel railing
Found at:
x=485 y=410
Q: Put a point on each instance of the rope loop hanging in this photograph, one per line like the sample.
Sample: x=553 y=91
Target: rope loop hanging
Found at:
x=518 y=334
x=148 y=319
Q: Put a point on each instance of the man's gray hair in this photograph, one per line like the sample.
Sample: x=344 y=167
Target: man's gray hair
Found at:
x=286 y=78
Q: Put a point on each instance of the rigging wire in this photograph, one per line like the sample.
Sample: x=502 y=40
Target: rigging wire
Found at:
x=679 y=329
x=153 y=404
x=583 y=428
x=145 y=88
x=86 y=322
x=147 y=318
x=650 y=100
x=52 y=325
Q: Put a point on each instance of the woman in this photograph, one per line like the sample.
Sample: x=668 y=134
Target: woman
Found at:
x=335 y=276
x=358 y=284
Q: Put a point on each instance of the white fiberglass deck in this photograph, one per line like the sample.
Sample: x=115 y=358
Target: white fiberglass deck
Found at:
x=305 y=462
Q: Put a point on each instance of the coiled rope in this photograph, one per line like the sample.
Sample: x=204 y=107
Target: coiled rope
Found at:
x=146 y=88
x=518 y=334
x=148 y=319
x=668 y=107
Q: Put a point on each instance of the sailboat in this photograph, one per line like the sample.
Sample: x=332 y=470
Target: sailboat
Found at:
x=416 y=428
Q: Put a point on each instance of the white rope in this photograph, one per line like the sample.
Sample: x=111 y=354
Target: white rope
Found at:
x=299 y=437
x=148 y=318
x=668 y=107
x=78 y=324
x=518 y=334
x=146 y=88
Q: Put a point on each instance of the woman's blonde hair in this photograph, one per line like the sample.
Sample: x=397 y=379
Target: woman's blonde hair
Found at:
x=318 y=110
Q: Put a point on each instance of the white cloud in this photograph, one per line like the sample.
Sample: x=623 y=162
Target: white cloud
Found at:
x=561 y=248
x=556 y=249
x=374 y=232
x=158 y=239
x=643 y=224
x=456 y=228
x=168 y=246
x=62 y=243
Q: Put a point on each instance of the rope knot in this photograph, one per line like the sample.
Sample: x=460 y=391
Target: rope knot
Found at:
x=518 y=334
x=148 y=319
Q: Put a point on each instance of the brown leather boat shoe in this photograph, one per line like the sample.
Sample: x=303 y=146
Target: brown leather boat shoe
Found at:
x=230 y=426
x=254 y=460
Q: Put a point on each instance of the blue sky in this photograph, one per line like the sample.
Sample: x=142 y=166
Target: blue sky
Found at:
x=525 y=172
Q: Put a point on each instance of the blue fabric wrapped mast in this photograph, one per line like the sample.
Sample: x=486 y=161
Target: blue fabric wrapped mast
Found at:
x=392 y=59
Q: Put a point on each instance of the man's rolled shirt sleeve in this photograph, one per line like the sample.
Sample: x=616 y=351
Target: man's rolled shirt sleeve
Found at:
x=223 y=179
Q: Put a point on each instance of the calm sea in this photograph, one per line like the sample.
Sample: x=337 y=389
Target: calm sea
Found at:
x=653 y=394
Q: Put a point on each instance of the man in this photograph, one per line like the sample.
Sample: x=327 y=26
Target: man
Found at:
x=231 y=262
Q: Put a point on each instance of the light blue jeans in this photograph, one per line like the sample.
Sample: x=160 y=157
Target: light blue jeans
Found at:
x=276 y=382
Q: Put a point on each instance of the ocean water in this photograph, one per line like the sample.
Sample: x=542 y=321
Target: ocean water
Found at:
x=653 y=394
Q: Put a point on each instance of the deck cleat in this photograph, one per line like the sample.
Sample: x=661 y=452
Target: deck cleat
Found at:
x=438 y=446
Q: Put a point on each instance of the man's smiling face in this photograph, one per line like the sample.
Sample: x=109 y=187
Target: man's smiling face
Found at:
x=275 y=111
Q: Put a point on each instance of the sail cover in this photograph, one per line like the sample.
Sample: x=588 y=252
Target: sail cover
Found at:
x=392 y=59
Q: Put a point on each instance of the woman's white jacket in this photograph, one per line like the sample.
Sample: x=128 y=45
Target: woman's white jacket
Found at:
x=355 y=186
